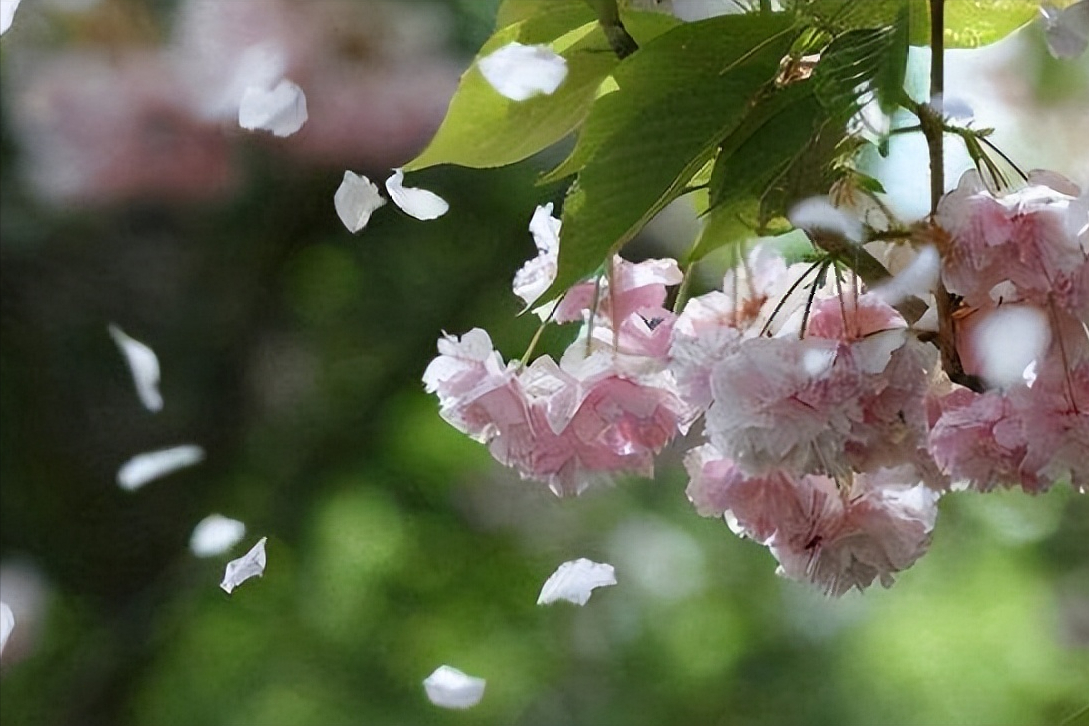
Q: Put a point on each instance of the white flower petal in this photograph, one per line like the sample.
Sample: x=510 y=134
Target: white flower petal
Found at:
x=281 y=111
x=573 y=581
x=918 y=279
x=143 y=468
x=817 y=213
x=418 y=203
x=355 y=200
x=215 y=534
x=450 y=688
x=251 y=564
x=537 y=274
x=1067 y=30
x=7 y=624
x=519 y=72
x=952 y=107
x=144 y=365
x=1008 y=340
x=7 y=14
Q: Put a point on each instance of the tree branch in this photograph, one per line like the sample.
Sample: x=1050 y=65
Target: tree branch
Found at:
x=933 y=128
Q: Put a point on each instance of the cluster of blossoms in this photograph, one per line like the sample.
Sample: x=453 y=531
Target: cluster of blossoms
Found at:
x=831 y=429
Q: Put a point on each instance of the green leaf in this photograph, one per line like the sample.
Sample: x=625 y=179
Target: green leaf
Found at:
x=515 y=11
x=484 y=129
x=972 y=23
x=750 y=163
x=678 y=98
x=840 y=16
x=684 y=56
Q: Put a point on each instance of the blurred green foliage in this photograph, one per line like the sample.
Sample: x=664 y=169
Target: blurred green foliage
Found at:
x=293 y=352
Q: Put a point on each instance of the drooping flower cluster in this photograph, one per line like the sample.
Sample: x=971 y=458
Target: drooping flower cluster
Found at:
x=831 y=429
x=607 y=407
x=1021 y=262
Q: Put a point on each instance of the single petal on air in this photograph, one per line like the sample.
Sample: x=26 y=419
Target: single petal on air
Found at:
x=573 y=581
x=215 y=534
x=7 y=624
x=418 y=203
x=143 y=468
x=356 y=199
x=1067 y=30
x=953 y=107
x=450 y=688
x=7 y=14
x=519 y=72
x=251 y=564
x=1008 y=340
x=817 y=213
x=918 y=279
x=144 y=365
x=281 y=110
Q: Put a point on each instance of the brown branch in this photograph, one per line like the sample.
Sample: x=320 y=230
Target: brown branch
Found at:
x=930 y=119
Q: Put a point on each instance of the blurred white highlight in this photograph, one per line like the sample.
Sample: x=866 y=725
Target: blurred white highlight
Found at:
x=450 y=688
x=147 y=467
x=215 y=534
x=144 y=366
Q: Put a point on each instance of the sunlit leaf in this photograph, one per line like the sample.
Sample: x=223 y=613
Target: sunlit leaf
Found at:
x=693 y=87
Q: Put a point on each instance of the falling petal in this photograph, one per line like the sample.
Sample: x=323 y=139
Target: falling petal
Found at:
x=144 y=366
x=450 y=688
x=251 y=564
x=817 y=213
x=1067 y=30
x=356 y=199
x=281 y=111
x=953 y=107
x=7 y=624
x=918 y=279
x=519 y=72
x=573 y=581
x=7 y=14
x=215 y=534
x=143 y=468
x=1008 y=340
x=418 y=203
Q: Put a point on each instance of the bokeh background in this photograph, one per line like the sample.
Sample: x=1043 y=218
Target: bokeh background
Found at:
x=292 y=352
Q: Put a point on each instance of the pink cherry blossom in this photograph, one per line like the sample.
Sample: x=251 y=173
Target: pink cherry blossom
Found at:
x=785 y=403
x=1055 y=416
x=1027 y=238
x=585 y=419
x=979 y=439
x=635 y=287
x=869 y=532
x=838 y=537
x=478 y=394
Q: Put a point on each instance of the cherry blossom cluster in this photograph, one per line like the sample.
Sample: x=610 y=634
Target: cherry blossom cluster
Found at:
x=830 y=428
